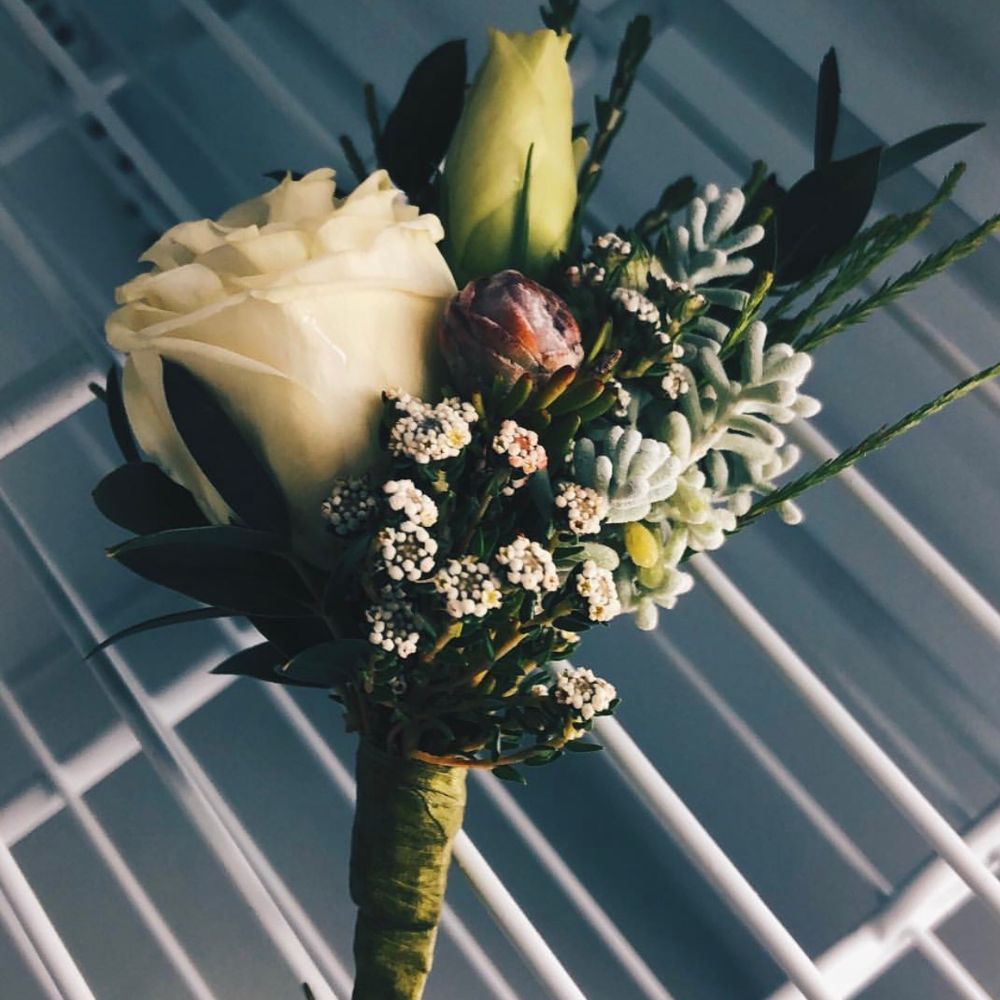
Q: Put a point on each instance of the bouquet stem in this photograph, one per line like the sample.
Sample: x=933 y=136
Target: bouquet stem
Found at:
x=408 y=813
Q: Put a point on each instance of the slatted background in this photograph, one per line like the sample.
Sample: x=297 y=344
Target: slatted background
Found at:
x=164 y=834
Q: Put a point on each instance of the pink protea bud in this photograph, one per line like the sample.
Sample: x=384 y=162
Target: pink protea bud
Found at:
x=507 y=325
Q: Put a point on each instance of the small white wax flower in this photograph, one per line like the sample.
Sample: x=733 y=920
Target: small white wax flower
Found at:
x=528 y=565
x=431 y=432
x=585 y=508
x=350 y=505
x=597 y=585
x=521 y=447
x=407 y=551
x=393 y=627
x=468 y=587
x=404 y=496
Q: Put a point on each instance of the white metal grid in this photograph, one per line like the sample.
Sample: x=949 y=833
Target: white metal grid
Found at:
x=51 y=391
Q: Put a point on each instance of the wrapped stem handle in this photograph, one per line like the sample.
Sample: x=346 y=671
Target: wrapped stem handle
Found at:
x=408 y=813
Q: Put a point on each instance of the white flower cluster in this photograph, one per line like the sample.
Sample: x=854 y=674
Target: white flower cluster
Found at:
x=587 y=694
x=597 y=585
x=623 y=398
x=585 y=507
x=393 y=625
x=431 y=432
x=529 y=565
x=676 y=382
x=521 y=447
x=613 y=243
x=404 y=496
x=468 y=587
x=637 y=304
x=591 y=273
x=350 y=504
x=407 y=551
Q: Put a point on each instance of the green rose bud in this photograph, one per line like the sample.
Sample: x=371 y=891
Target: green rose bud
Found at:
x=521 y=100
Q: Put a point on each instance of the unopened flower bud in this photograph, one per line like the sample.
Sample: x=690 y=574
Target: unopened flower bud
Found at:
x=507 y=325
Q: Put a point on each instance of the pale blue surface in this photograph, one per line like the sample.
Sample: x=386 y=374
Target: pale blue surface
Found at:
x=725 y=82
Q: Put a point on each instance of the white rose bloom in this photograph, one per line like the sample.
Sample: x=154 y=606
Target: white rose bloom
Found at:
x=298 y=310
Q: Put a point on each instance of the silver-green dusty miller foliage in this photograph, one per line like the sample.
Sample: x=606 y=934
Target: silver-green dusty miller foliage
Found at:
x=723 y=444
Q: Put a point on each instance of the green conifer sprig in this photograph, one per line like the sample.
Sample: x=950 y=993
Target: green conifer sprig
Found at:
x=891 y=289
x=859 y=258
x=610 y=111
x=879 y=439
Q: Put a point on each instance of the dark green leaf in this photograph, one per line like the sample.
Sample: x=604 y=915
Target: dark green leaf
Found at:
x=177 y=618
x=118 y=418
x=223 y=454
x=226 y=536
x=507 y=773
x=827 y=109
x=418 y=130
x=140 y=498
x=261 y=662
x=241 y=580
x=291 y=635
x=329 y=664
x=581 y=746
x=822 y=212
x=279 y=175
x=909 y=151
x=546 y=756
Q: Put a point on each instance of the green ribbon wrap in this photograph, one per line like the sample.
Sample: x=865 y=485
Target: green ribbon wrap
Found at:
x=407 y=816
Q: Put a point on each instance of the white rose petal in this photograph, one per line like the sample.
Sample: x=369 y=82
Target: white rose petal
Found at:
x=298 y=310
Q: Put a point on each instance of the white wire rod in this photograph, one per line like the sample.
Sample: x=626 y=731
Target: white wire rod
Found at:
x=969 y=598
x=951 y=968
x=927 y=901
x=281 y=96
x=19 y=141
x=859 y=744
x=44 y=938
x=561 y=873
x=513 y=921
x=105 y=848
x=45 y=396
x=893 y=736
x=106 y=753
x=524 y=934
x=26 y=948
x=280 y=914
x=774 y=767
x=928 y=943
x=712 y=861
x=92 y=100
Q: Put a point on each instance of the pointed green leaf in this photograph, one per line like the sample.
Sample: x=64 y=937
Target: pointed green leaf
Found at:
x=140 y=498
x=507 y=773
x=241 y=580
x=923 y=144
x=827 y=109
x=582 y=746
x=822 y=212
x=291 y=635
x=177 y=618
x=522 y=222
x=418 y=130
x=232 y=466
x=330 y=664
x=216 y=535
x=260 y=662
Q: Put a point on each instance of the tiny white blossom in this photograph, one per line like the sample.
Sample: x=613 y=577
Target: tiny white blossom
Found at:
x=677 y=381
x=637 y=304
x=586 y=694
x=393 y=625
x=613 y=243
x=416 y=505
x=521 y=447
x=468 y=587
x=597 y=585
x=538 y=691
x=593 y=273
x=350 y=505
x=585 y=507
x=528 y=565
x=622 y=399
x=431 y=432
x=407 y=551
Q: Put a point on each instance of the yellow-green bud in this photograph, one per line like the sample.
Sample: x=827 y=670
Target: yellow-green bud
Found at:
x=520 y=100
x=642 y=545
